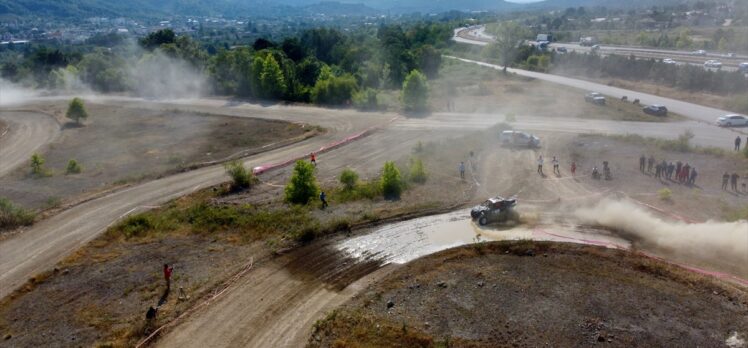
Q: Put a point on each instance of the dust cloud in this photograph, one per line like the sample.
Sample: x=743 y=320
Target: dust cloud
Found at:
x=12 y=94
x=156 y=75
x=722 y=244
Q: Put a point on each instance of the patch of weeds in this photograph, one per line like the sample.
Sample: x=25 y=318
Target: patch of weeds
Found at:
x=681 y=144
x=737 y=214
x=13 y=216
x=665 y=194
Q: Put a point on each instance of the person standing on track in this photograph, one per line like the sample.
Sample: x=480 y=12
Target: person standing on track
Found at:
x=167 y=274
x=574 y=167
x=556 y=169
x=734 y=181
x=540 y=165
x=692 y=178
x=737 y=143
x=461 y=167
x=650 y=163
x=725 y=179
x=323 y=198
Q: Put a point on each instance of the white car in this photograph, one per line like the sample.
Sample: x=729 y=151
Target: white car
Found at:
x=699 y=53
x=732 y=121
x=669 y=61
x=712 y=63
x=522 y=139
x=743 y=67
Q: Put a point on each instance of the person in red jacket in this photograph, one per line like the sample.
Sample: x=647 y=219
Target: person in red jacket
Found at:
x=573 y=168
x=167 y=274
x=313 y=158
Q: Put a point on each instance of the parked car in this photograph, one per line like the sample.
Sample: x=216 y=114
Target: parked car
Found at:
x=497 y=209
x=655 y=110
x=732 y=121
x=699 y=53
x=594 y=98
x=713 y=63
x=516 y=138
x=561 y=49
x=743 y=67
x=669 y=61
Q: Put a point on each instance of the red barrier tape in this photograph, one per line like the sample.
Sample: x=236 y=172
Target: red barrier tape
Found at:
x=263 y=168
x=719 y=275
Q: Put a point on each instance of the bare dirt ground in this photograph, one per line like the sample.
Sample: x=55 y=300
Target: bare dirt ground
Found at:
x=469 y=88
x=286 y=294
x=120 y=145
x=526 y=294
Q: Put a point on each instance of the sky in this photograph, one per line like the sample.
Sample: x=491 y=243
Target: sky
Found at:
x=523 y=1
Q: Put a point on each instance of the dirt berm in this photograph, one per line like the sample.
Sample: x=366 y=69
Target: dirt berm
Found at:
x=529 y=294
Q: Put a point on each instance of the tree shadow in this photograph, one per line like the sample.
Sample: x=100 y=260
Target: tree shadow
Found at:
x=72 y=125
x=417 y=114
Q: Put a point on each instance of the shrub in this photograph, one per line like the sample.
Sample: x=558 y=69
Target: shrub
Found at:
x=12 y=216
x=665 y=194
x=391 y=182
x=303 y=186
x=73 y=167
x=417 y=171
x=76 y=110
x=366 y=100
x=241 y=177
x=37 y=164
x=348 y=178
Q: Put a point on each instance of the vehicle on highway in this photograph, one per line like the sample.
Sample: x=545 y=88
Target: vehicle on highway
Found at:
x=669 y=61
x=713 y=63
x=496 y=209
x=743 y=67
x=594 y=98
x=655 y=110
x=699 y=53
x=731 y=55
x=732 y=121
x=561 y=49
x=520 y=139
x=595 y=48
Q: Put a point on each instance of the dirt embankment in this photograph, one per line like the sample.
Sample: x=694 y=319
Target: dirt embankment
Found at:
x=525 y=294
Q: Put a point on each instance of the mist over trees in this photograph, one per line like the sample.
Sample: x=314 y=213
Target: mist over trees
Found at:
x=322 y=66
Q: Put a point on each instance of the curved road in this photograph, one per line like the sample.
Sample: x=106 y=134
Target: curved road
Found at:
x=41 y=246
x=27 y=132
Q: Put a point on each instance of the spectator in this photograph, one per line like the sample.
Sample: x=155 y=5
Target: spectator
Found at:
x=734 y=181
x=737 y=143
x=167 y=274
x=725 y=179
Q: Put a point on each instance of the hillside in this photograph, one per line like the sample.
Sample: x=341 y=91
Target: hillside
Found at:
x=233 y=8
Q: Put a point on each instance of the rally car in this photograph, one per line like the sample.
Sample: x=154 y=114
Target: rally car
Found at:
x=496 y=209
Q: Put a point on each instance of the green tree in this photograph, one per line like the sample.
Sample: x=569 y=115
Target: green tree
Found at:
x=272 y=83
x=391 y=181
x=333 y=90
x=158 y=38
x=303 y=185
x=509 y=37
x=366 y=99
x=37 y=164
x=349 y=178
x=241 y=177
x=76 y=110
x=415 y=92
x=417 y=171
x=73 y=167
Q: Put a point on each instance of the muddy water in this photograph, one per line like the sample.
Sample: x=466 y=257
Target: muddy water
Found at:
x=407 y=240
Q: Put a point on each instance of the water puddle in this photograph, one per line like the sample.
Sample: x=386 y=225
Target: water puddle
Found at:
x=407 y=240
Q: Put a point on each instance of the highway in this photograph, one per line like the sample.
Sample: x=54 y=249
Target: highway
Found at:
x=476 y=35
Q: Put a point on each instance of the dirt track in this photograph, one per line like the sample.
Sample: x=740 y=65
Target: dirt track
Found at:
x=41 y=246
x=27 y=132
